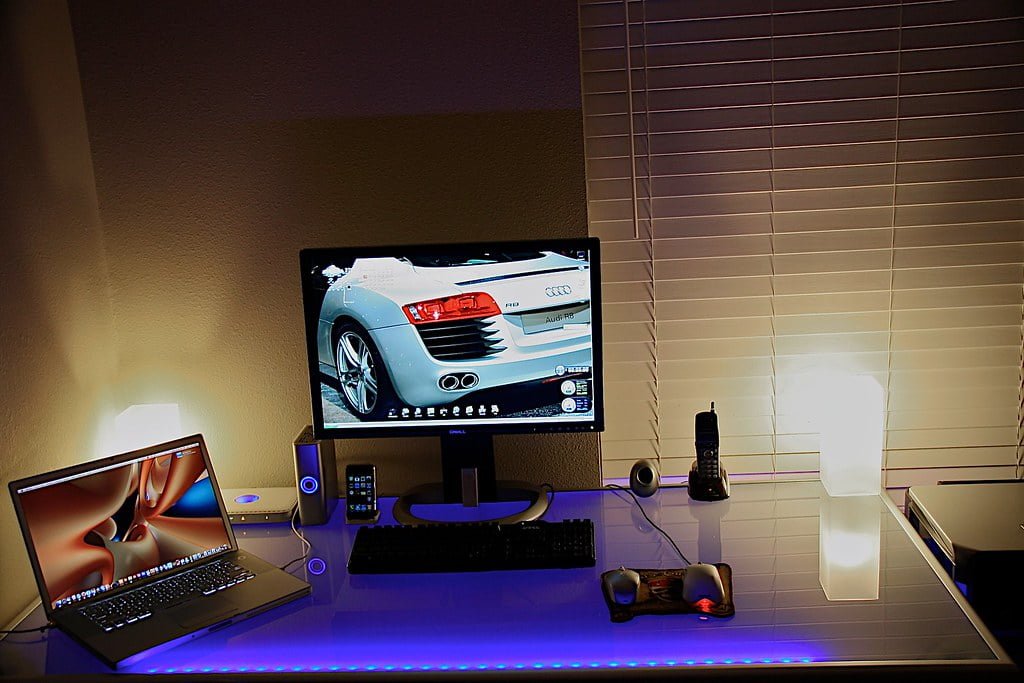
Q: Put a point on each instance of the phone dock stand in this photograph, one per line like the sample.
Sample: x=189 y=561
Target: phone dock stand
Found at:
x=708 y=488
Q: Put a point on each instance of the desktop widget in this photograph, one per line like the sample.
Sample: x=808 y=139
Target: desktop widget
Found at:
x=574 y=397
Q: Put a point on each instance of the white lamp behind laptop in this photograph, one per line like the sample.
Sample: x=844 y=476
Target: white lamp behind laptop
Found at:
x=145 y=424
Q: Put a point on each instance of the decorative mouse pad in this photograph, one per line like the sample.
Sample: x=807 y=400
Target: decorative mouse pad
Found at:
x=660 y=592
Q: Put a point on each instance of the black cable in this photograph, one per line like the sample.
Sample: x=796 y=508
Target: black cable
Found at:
x=649 y=520
x=291 y=562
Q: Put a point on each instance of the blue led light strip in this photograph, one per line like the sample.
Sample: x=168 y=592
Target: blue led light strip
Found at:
x=520 y=666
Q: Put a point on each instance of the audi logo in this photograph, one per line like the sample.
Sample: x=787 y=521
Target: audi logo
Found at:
x=560 y=290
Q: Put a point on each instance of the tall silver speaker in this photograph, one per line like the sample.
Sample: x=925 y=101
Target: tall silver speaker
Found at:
x=316 y=477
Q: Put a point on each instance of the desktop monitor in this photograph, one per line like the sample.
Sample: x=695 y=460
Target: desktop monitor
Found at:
x=462 y=341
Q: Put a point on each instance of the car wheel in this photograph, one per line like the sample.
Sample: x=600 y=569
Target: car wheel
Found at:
x=365 y=386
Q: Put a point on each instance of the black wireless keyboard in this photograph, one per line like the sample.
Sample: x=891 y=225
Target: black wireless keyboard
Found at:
x=387 y=549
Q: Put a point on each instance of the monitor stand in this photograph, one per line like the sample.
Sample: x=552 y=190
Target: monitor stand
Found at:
x=467 y=467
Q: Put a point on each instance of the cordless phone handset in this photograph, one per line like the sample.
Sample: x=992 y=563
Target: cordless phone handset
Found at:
x=706 y=431
x=708 y=479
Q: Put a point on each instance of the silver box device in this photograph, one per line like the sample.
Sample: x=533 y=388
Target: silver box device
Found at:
x=260 y=505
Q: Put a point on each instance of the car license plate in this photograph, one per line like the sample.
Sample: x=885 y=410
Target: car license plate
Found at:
x=557 y=319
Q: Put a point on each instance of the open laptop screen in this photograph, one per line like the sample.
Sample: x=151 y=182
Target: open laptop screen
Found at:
x=116 y=524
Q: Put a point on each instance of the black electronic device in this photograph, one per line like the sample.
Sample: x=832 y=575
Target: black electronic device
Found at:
x=706 y=441
x=316 y=477
x=708 y=480
x=391 y=549
x=459 y=341
x=361 y=494
x=975 y=529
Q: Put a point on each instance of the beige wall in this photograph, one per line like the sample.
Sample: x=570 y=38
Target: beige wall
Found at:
x=174 y=275
x=57 y=339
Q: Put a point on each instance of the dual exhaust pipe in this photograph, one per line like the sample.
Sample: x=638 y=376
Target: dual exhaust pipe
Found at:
x=458 y=381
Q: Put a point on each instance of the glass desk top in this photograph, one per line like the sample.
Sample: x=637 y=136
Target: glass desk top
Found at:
x=816 y=582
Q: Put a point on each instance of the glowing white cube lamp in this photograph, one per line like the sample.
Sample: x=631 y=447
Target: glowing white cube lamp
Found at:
x=849 y=547
x=146 y=424
x=851 y=424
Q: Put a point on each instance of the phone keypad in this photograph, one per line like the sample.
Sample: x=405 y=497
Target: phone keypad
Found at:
x=707 y=463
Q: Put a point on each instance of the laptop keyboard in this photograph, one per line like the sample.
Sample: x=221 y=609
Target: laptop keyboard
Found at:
x=138 y=604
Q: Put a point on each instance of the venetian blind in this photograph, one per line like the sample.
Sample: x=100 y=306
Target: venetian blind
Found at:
x=793 y=190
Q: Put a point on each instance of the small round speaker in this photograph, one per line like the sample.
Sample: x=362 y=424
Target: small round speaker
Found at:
x=643 y=478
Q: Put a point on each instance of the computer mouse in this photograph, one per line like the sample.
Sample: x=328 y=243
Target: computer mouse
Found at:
x=703 y=582
x=621 y=585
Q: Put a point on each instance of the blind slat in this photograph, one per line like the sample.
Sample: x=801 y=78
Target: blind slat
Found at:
x=833 y=189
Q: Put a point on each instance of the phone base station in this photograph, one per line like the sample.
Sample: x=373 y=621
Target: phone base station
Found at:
x=708 y=488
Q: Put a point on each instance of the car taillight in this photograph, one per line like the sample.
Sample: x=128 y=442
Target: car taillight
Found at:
x=475 y=305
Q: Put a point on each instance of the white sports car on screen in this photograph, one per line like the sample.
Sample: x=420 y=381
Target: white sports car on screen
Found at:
x=426 y=330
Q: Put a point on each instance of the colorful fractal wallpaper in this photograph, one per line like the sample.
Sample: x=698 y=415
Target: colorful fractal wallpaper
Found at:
x=111 y=527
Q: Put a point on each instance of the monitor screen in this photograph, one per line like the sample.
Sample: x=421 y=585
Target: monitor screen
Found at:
x=485 y=337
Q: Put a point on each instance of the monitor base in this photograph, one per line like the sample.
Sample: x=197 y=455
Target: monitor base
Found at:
x=506 y=492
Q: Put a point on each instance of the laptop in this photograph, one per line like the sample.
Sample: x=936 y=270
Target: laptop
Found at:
x=134 y=553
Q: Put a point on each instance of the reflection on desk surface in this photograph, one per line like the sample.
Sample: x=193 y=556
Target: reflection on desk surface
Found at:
x=544 y=620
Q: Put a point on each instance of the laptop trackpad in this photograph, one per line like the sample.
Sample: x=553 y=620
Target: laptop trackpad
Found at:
x=197 y=615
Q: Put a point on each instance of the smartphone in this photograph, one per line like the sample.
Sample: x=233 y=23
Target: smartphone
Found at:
x=361 y=494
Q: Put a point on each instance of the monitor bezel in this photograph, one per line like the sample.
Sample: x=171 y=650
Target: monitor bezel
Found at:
x=310 y=312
